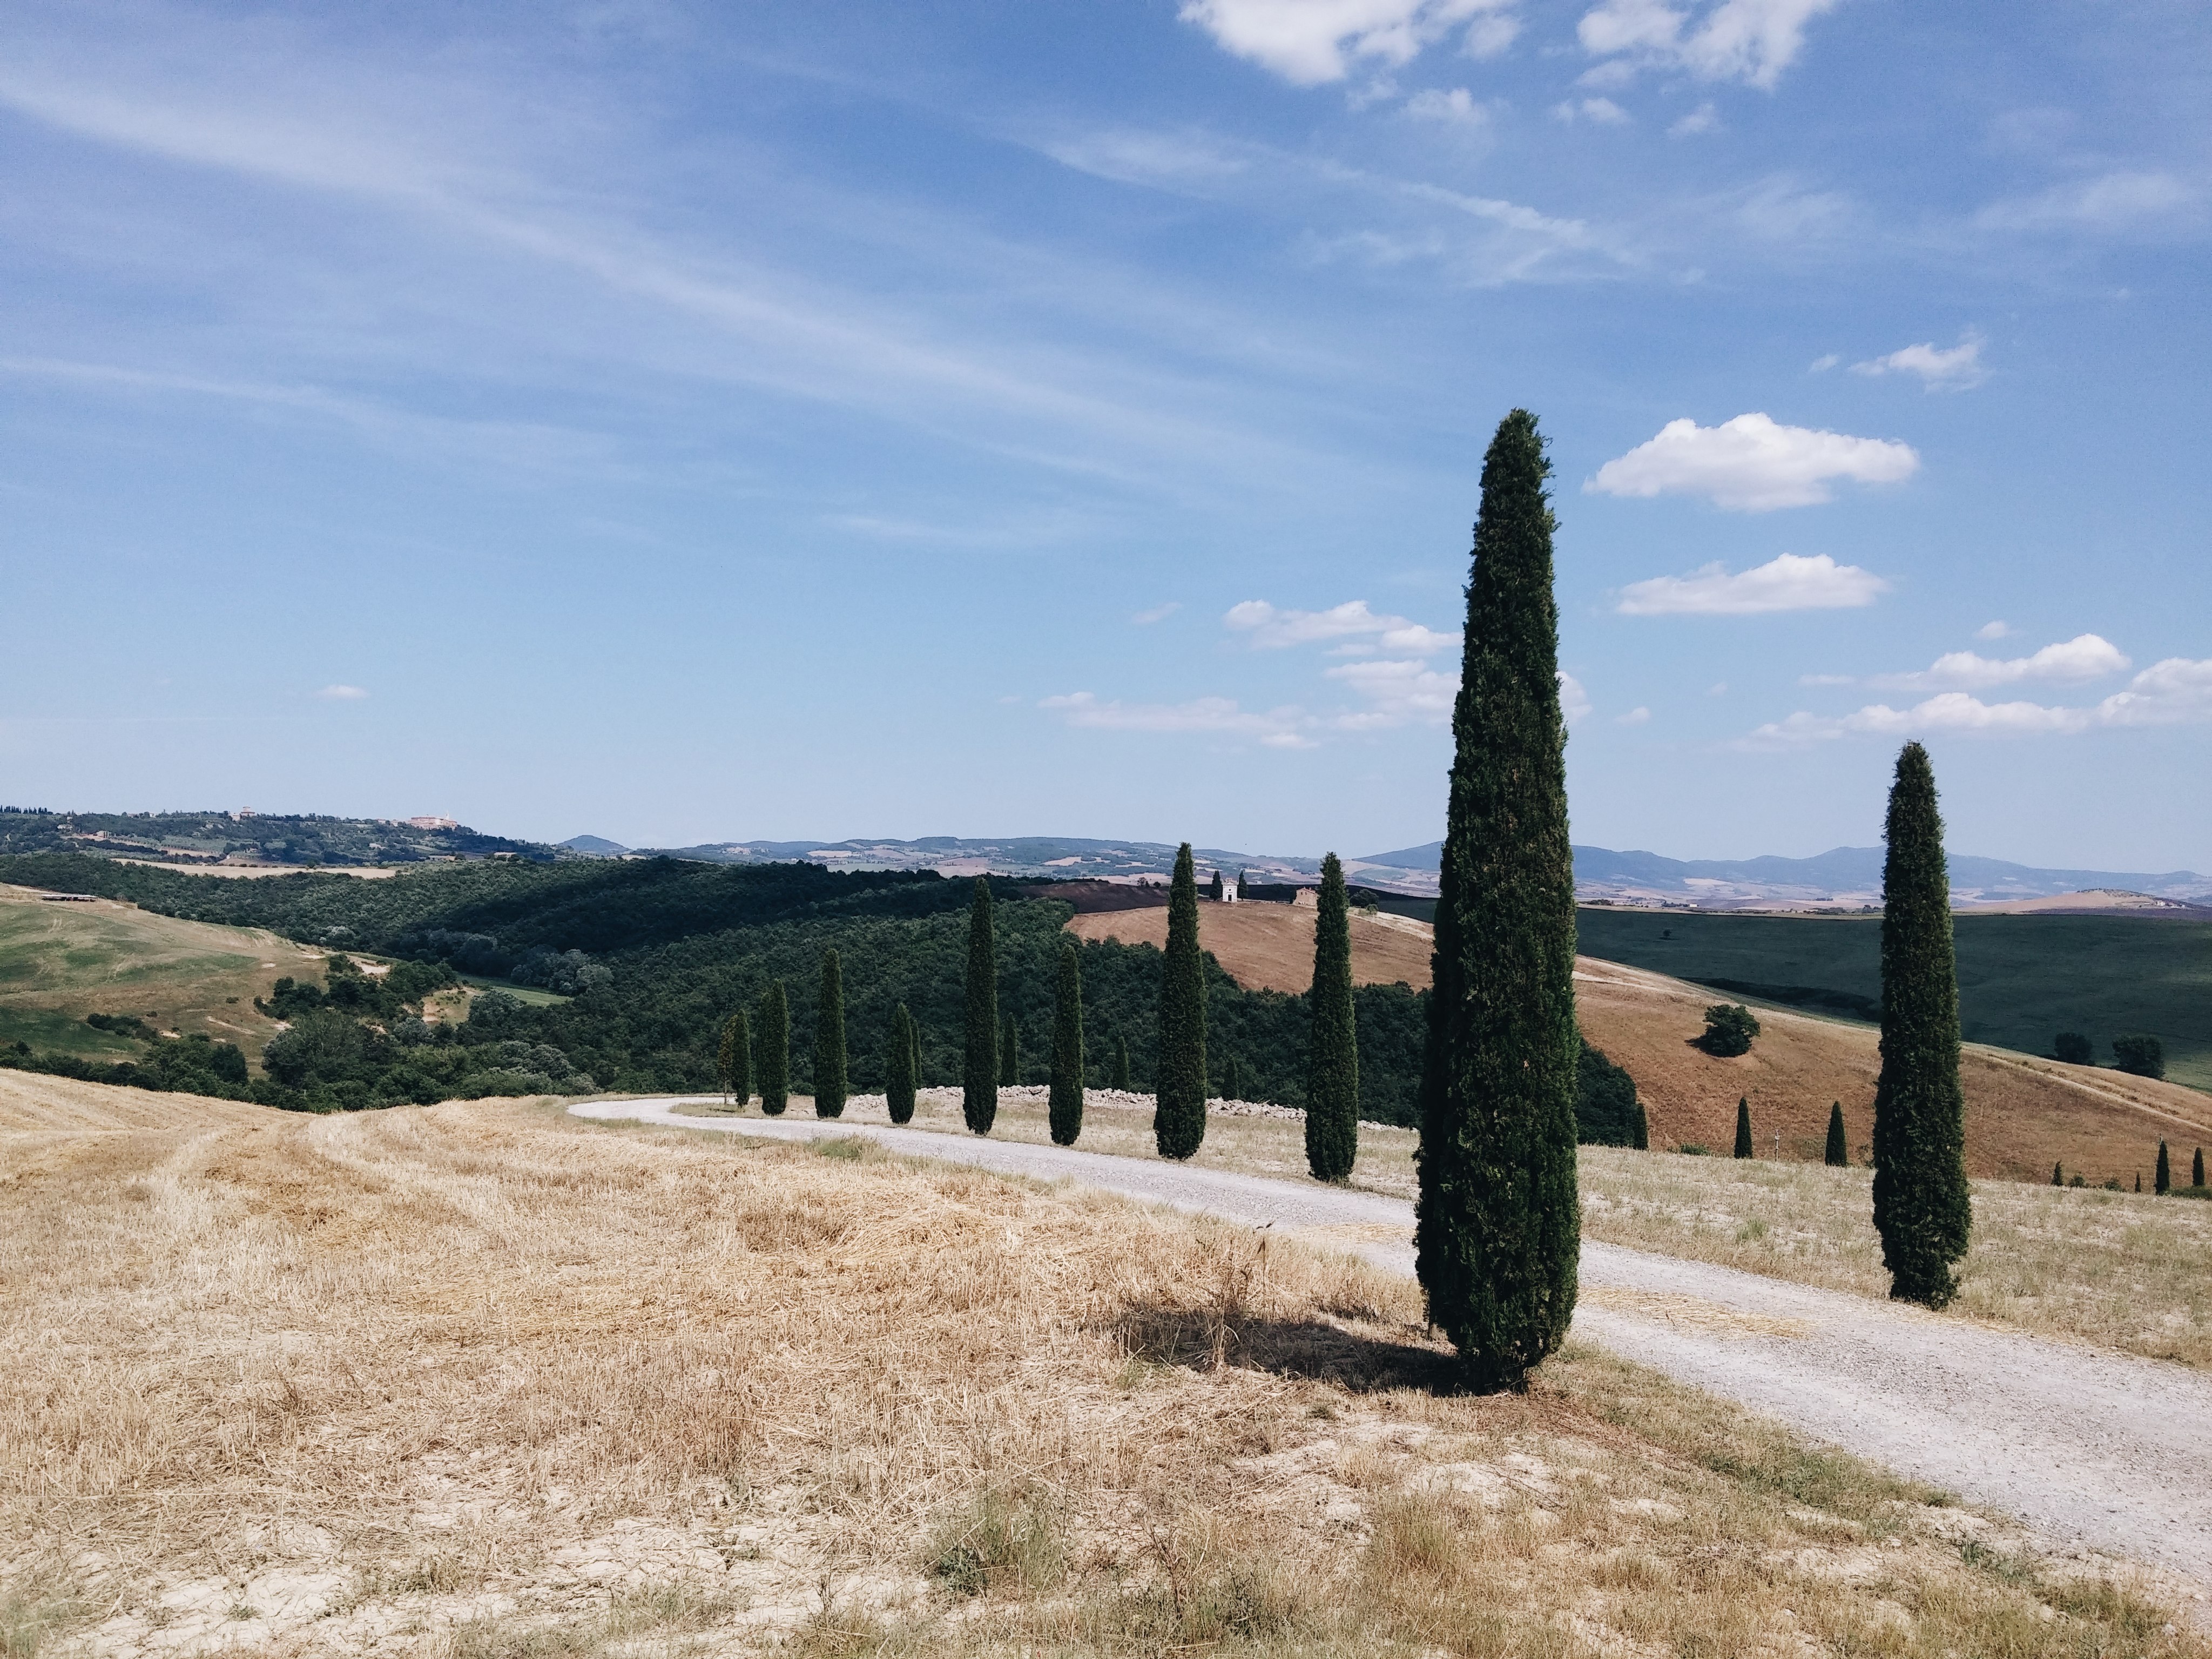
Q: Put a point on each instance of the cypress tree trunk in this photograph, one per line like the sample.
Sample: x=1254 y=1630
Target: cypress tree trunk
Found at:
x=1121 y=1063
x=1065 y=1108
x=899 y=1077
x=1743 y=1128
x=775 y=1050
x=2162 y=1183
x=1500 y=1225
x=979 y=1076
x=1179 y=1114
x=829 y=1066
x=1010 y=1052
x=1333 y=1049
x=1922 y=1208
x=1839 y=1150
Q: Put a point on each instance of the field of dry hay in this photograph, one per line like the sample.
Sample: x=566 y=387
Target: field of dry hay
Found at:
x=2023 y=1113
x=478 y=1380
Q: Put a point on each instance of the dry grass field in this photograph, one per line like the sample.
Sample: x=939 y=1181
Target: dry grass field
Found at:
x=2023 y=1113
x=480 y=1381
x=60 y=962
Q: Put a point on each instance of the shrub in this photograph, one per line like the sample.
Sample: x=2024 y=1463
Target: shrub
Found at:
x=1730 y=1028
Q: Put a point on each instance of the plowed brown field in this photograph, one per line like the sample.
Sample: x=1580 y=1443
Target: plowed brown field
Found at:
x=2023 y=1114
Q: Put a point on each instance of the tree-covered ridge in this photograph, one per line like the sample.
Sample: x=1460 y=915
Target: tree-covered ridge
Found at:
x=304 y=839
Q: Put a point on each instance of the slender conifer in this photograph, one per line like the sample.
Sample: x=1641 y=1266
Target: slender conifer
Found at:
x=2162 y=1183
x=831 y=1065
x=2058 y=1174
x=979 y=1078
x=2197 y=1169
x=1333 y=1047
x=1010 y=1052
x=1121 y=1062
x=899 y=1079
x=1500 y=1225
x=1179 y=1109
x=1839 y=1149
x=734 y=1059
x=1922 y=1208
x=1743 y=1148
x=1639 y=1135
x=775 y=1050
x=1064 y=1107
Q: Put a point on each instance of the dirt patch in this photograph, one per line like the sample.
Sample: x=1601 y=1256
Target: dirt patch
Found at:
x=1270 y=947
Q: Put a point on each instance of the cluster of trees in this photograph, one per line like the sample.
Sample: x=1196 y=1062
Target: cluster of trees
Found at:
x=2137 y=1053
x=194 y=1065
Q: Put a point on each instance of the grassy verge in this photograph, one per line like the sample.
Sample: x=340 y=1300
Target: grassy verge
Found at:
x=483 y=1379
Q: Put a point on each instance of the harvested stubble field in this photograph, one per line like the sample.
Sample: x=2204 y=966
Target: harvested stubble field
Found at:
x=481 y=1380
x=2123 y=1271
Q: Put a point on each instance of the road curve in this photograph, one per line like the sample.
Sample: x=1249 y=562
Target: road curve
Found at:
x=2085 y=1445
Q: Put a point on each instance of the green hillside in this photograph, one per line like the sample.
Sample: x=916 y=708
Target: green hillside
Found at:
x=2022 y=979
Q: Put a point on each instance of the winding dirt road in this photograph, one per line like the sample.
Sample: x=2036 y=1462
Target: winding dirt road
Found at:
x=2085 y=1445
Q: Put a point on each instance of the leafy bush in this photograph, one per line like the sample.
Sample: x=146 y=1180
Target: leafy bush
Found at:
x=1729 y=1029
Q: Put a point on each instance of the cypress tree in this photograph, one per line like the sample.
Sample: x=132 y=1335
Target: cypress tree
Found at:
x=1010 y=1052
x=913 y=1036
x=1064 y=1107
x=1214 y=887
x=2058 y=1175
x=2197 y=1169
x=1743 y=1126
x=1232 y=1080
x=899 y=1076
x=979 y=1076
x=829 y=1063
x=775 y=1050
x=2162 y=1183
x=734 y=1059
x=1499 y=1229
x=1179 y=1112
x=1332 y=1050
x=1121 y=1062
x=1639 y=1135
x=1922 y=1208
x=1839 y=1150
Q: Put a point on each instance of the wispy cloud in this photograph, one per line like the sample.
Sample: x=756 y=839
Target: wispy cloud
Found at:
x=341 y=693
x=1748 y=41
x=1948 y=368
x=1286 y=727
x=2112 y=203
x=1311 y=42
x=1752 y=464
x=1789 y=581
x=1271 y=629
x=1156 y=613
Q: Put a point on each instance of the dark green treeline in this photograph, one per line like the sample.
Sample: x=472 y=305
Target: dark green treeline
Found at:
x=830 y=1041
x=979 y=1079
x=1922 y=1205
x=1179 y=1114
x=1333 y=1047
x=1064 y=1109
x=1499 y=1221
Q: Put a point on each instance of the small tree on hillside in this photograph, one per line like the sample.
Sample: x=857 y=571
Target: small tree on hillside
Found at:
x=1064 y=1109
x=1121 y=1063
x=979 y=1078
x=1214 y=888
x=1743 y=1126
x=2162 y=1183
x=899 y=1076
x=1333 y=1047
x=1922 y=1208
x=830 y=1059
x=2058 y=1174
x=775 y=1050
x=734 y=1059
x=1010 y=1052
x=2139 y=1053
x=1730 y=1028
x=2073 y=1049
x=1179 y=1109
x=1839 y=1150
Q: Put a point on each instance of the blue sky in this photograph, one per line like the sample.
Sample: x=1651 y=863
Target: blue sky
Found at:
x=688 y=422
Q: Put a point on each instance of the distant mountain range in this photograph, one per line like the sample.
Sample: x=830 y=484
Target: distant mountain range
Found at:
x=1845 y=878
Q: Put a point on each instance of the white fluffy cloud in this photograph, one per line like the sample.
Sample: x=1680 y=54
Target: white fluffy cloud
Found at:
x=1752 y=464
x=2084 y=657
x=1272 y=630
x=1993 y=631
x=1310 y=42
x=2174 y=692
x=1789 y=581
x=1396 y=691
x=1747 y=40
x=1951 y=369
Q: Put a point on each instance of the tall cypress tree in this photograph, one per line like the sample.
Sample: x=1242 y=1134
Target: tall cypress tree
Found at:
x=1499 y=1230
x=979 y=1076
x=1839 y=1149
x=1639 y=1133
x=1333 y=1047
x=2058 y=1174
x=2162 y=1183
x=1010 y=1052
x=1064 y=1107
x=899 y=1079
x=1743 y=1126
x=2197 y=1169
x=1179 y=1112
x=829 y=1066
x=775 y=1050
x=1922 y=1208
x=1121 y=1062
x=733 y=1059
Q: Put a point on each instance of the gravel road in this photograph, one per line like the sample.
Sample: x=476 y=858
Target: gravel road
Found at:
x=2084 y=1445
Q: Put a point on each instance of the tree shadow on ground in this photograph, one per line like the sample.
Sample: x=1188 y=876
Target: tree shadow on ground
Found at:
x=1359 y=1360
